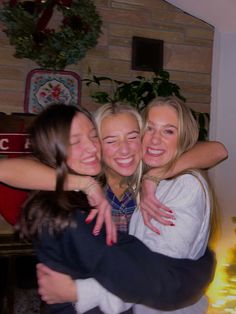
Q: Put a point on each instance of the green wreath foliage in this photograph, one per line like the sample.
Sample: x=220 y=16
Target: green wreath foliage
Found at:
x=78 y=31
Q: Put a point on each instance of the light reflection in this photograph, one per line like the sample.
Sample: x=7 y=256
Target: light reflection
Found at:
x=222 y=291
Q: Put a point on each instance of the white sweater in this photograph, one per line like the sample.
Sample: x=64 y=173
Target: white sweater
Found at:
x=187 y=196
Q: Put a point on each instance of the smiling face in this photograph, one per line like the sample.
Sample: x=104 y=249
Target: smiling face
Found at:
x=161 y=136
x=121 y=145
x=84 y=149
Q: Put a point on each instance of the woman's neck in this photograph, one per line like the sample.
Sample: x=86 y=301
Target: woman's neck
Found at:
x=117 y=183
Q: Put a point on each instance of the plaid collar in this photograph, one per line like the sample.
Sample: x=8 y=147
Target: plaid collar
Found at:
x=126 y=205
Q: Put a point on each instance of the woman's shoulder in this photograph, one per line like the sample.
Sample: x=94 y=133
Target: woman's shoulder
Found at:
x=185 y=186
x=191 y=178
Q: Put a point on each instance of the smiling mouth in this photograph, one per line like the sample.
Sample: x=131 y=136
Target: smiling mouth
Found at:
x=156 y=152
x=125 y=161
x=90 y=160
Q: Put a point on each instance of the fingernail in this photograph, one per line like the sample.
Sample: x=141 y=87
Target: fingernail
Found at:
x=96 y=232
x=172 y=224
x=87 y=221
x=110 y=243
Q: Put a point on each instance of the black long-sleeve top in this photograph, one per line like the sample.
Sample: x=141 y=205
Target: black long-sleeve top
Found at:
x=128 y=269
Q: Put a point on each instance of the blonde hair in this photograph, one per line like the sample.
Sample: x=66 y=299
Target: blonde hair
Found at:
x=187 y=138
x=187 y=125
x=113 y=109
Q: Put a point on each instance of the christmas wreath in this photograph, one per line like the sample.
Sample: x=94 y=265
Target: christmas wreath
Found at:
x=27 y=26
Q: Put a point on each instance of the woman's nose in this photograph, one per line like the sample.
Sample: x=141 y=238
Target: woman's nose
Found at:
x=124 y=147
x=92 y=146
x=156 y=137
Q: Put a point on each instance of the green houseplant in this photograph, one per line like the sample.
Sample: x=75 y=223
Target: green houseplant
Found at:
x=139 y=92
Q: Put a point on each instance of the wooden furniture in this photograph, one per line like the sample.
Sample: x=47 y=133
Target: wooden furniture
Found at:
x=11 y=249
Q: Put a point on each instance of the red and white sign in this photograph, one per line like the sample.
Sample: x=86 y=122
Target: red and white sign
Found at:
x=14 y=143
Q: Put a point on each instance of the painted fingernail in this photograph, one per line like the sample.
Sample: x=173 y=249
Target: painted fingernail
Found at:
x=172 y=224
x=88 y=220
x=110 y=243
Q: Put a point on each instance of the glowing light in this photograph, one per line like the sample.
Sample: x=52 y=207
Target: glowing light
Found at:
x=222 y=291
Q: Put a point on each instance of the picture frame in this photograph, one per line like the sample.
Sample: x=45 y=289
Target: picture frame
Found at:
x=147 y=54
x=45 y=87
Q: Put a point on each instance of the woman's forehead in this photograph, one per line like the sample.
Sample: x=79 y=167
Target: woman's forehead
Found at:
x=81 y=123
x=158 y=112
x=123 y=117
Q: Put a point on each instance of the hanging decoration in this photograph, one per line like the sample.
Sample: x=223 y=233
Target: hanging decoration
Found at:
x=29 y=30
x=46 y=87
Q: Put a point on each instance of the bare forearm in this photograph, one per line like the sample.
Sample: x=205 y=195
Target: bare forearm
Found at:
x=27 y=173
x=30 y=174
x=202 y=156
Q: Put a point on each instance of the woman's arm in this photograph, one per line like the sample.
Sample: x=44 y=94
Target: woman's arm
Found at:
x=91 y=294
x=56 y=287
x=203 y=155
x=188 y=196
x=30 y=174
x=167 y=283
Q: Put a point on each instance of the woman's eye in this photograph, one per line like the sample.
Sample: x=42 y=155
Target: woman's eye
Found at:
x=149 y=128
x=169 y=131
x=110 y=142
x=75 y=142
x=133 y=137
x=94 y=137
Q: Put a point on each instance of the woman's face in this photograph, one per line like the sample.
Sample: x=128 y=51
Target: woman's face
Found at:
x=121 y=144
x=160 y=136
x=84 y=153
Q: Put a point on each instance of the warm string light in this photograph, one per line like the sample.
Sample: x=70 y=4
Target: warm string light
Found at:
x=222 y=292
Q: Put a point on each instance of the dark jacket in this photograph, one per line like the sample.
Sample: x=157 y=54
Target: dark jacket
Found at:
x=128 y=269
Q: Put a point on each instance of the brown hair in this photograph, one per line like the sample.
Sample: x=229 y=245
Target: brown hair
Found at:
x=49 y=135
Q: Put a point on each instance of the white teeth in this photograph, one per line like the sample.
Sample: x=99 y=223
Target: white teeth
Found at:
x=125 y=161
x=90 y=160
x=154 y=151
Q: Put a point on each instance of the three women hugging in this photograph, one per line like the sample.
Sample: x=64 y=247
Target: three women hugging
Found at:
x=138 y=177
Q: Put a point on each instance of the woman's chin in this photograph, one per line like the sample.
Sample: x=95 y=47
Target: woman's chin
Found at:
x=152 y=162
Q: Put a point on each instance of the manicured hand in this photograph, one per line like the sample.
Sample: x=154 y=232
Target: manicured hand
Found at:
x=151 y=208
x=102 y=209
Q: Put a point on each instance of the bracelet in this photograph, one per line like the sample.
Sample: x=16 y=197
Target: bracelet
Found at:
x=154 y=179
x=90 y=186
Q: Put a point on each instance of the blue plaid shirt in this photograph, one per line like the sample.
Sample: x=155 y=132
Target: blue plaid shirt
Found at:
x=123 y=209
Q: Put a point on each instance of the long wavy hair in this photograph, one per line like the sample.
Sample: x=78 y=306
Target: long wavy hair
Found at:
x=49 y=137
x=187 y=138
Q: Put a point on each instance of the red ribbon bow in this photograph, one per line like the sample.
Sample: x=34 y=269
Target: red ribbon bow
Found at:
x=47 y=13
